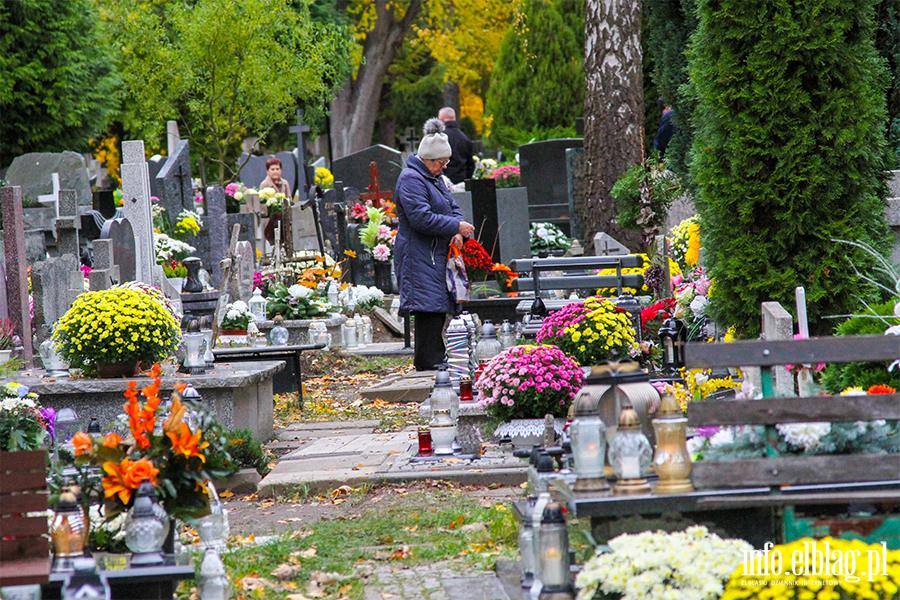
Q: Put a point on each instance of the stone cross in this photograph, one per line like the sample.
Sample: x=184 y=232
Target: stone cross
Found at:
x=375 y=195
x=136 y=207
x=300 y=128
x=410 y=138
x=67 y=224
x=106 y=272
x=52 y=199
x=229 y=274
x=16 y=273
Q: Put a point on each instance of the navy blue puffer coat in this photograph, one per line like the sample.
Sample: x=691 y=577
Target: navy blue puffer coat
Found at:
x=429 y=218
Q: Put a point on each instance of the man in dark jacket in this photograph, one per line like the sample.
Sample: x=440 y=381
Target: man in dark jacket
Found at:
x=429 y=222
x=462 y=164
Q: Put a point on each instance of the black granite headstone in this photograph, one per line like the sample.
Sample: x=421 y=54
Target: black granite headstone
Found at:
x=353 y=169
x=543 y=168
x=122 y=235
x=105 y=203
x=484 y=214
x=155 y=165
x=362 y=265
x=174 y=181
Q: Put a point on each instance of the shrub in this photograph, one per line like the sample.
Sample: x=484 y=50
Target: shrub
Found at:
x=246 y=451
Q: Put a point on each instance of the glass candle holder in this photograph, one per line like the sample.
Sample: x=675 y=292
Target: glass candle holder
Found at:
x=672 y=462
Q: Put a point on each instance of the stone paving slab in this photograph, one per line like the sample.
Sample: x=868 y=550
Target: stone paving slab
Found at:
x=412 y=387
x=387 y=348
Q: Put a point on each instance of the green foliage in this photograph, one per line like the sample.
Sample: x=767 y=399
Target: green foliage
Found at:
x=788 y=152
x=368 y=234
x=246 y=451
x=539 y=78
x=838 y=377
x=663 y=186
x=887 y=41
x=227 y=70
x=508 y=139
x=57 y=82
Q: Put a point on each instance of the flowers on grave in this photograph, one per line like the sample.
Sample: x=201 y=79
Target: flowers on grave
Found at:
x=525 y=382
x=237 y=316
x=378 y=237
x=178 y=459
x=168 y=249
x=507 y=177
x=655 y=565
x=684 y=242
x=117 y=197
x=189 y=223
x=697 y=385
x=305 y=266
x=361 y=297
x=803 y=573
x=358 y=213
x=295 y=302
x=691 y=302
x=7 y=335
x=273 y=200
x=238 y=190
x=484 y=167
x=24 y=424
x=591 y=331
x=324 y=178
x=125 y=323
x=478 y=262
x=547 y=237
x=503 y=275
x=263 y=282
x=175 y=269
x=644 y=270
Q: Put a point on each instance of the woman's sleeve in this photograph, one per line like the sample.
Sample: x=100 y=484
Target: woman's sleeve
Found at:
x=413 y=194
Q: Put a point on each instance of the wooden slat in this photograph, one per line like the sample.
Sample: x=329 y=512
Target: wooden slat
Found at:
x=21 y=482
x=23 y=461
x=22 y=503
x=629 y=261
x=769 y=411
x=573 y=282
x=26 y=572
x=862 y=348
x=794 y=470
x=24 y=526
x=36 y=546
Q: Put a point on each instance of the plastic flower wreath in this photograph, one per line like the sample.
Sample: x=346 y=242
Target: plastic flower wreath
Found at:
x=169 y=453
x=526 y=382
x=591 y=331
x=121 y=324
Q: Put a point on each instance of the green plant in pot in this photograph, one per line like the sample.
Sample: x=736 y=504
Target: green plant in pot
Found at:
x=7 y=340
x=237 y=318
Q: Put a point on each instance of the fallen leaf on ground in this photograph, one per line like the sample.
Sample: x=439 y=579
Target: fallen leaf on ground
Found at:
x=452 y=460
x=252 y=496
x=308 y=553
x=523 y=485
x=250 y=584
x=478 y=526
x=285 y=572
x=227 y=494
x=400 y=553
x=345 y=588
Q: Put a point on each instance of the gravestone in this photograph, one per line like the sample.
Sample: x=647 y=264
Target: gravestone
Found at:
x=575 y=189
x=50 y=282
x=174 y=296
x=16 y=274
x=32 y=172
x=91 y=226
x=67 y=224
x=175 y=183
x=35 y=248
x=778 y=324
x=246 y=270
x=121 y=234
x=217 y=220
x=136 y=208
x=106 y=272
x=543 y=170
x=104 y=202
x=303 y=225
x=254 y=170
x=353 y=169
x=173 y=137
x=332 y=229
x=362 y=265
x=302 y=181
x=4 y=308
x=247 y=222
x=484 y=214
x=410 y=139
x=154 y=165
x=606 y=245
x=514 y=227
x=464 y=201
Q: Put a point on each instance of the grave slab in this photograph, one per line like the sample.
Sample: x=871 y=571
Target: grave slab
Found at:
x=353 y=169
x=606 y=245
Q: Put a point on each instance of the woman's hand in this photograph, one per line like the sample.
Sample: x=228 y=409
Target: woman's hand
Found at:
x=466 y=229
x=457 y=240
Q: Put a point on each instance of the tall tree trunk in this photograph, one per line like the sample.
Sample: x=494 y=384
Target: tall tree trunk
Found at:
x=451 y=97
x=613 y=111
x=354 y=109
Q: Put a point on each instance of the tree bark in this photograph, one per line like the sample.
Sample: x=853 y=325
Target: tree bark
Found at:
x=451 y=97
x=354 y=110
x=613 y=111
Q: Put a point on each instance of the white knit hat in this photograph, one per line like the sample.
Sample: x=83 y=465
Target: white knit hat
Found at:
x=434 y=144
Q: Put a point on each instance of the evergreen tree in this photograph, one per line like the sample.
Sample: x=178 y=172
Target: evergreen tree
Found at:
x=887 y=40
x=57 y=83
x=538 y=82
x=788 y=152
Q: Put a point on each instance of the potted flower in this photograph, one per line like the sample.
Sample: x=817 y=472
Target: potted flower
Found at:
x=507 y=176
x=237 y=318
x=295 y=302
x=111 y=332
x=24 y=424
x=478 y=262
x=175 y=273
x=590 y=331
x=7 y=340
x=547 y=238
x=324 y=179
x=527 y=383
x=379 y=239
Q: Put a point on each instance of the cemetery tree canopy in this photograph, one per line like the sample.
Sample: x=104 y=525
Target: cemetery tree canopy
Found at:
x=57 y=82
x=227 y=70
x=788 y=153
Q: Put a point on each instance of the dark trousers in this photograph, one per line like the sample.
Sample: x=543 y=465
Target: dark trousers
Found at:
x=429 y=340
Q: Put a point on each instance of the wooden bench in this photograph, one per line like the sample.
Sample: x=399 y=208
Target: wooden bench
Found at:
x=579 y=276
x=24 y=540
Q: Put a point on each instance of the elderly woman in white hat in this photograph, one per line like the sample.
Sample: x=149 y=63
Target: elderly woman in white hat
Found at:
x=429 y=222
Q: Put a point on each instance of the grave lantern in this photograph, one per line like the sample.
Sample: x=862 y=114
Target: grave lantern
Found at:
x=556 y=577
x=146 y=527
x=445 y=408
x=630 y=305
x=213 y=581
x=257 y=305
x=279 y=335
x=672 y=462
x=85 y=583
x=630 y=454
x=668 y=339
x=465 y=391
x=68 y=531
x=507 y=335
x=488 y=347
x=194 y=361
x=458 y=349
x=206 y=330
x=350 y=334
x=526 y=550
x=588 y=433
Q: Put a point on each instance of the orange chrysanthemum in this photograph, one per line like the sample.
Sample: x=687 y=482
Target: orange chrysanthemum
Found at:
x=187 y=444
x=881 y=389
x=82 y=442
x=112 y=440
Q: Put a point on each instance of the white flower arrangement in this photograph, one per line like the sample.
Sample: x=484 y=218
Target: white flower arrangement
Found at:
x=360 y=296
x=803 y=435
x=547 y=236
x=237 y=316
x=688 y=565
x=299 y=291
x=168 y=248
x=273 y=199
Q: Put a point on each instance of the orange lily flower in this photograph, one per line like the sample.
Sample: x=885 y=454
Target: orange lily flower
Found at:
x=82 y=442
x=112 y=440
x=186 y=443
x=139 y=470
x=116 y=484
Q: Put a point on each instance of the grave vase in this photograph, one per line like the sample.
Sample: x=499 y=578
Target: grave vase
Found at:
x=176 y=282
x=5 y=355
x=117 y=370
x=383 y=276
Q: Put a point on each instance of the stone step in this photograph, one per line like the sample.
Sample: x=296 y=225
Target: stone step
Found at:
x=413 y=387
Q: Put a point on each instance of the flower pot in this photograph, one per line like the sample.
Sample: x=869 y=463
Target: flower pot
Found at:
x=233 y=332
x=117 y=370
x=5 y=355
x=383 y=276
x=176 y=282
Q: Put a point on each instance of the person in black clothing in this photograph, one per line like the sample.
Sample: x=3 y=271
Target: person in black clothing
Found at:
x=462 y=165
x=666 y=129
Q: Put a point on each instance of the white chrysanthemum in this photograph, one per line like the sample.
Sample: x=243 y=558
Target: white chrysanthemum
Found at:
x=699 y=304
x=803 y=435
x=722 y=437
x=299 y=291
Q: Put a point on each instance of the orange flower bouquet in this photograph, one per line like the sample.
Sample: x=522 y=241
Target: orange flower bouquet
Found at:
x=178 y=459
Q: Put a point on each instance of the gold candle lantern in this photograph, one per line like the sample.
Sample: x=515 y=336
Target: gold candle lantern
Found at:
x=67 y=531
x=671 y=461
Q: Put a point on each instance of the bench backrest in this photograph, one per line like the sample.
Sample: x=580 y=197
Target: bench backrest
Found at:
x=24 y=547
x=581 y=277
x=769 y=411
